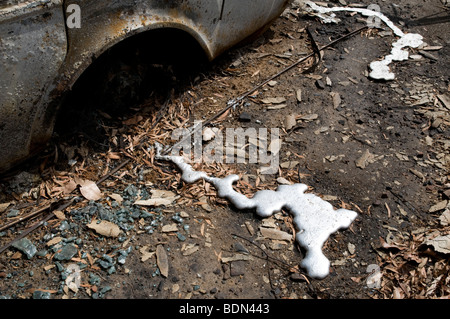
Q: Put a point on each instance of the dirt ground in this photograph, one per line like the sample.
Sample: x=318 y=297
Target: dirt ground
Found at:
x=380 y=148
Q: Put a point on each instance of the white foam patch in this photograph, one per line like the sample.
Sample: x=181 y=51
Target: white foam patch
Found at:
x=314 y=218
x=379 y=69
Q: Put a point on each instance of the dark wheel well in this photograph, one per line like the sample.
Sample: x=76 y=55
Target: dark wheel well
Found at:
x=145 y=66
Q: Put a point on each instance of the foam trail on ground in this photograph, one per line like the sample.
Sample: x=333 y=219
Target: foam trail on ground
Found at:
x=314 y=218
x=379 y=69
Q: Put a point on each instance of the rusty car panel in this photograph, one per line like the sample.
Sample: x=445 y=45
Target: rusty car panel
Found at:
x=42 y=54
x=32 y=49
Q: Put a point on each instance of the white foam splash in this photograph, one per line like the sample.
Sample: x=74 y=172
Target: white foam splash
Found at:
x=314 y=218
x=379 y=69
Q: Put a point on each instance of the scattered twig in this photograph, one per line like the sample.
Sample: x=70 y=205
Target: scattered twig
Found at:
x=430 y=19
x=268 y=258
x=118 y=167
x=233 y=103
x=37 y=225
x=388 y=210
x=30 y=215
x=317 y=54
x=163 y=110
x=401 y=199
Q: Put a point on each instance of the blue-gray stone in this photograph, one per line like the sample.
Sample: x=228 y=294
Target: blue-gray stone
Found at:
x=181 y=237
x=131 y=190
x=25 y=246
x=145 y=214
x=94 y=279
x=121 y=259
x=59 y=266
x=64 y=225
x=37 y=294
x=111 y=270
x=13 y=213
x=177 y=219
x=105 y=264
x=42 y=253
x=66 y=253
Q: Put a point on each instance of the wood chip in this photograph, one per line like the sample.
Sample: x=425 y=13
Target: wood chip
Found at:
x=336 y=99
x=277 y=107
x=156 y=202
x=159 y=197
x=162 y=260
x=445 y=100
x=432 y=48
x=283 y=181
x=428 y=55
x=289 y=164
x=250 y=228
x=105 y=228
x=274 y=100
x=364 y=160
x=189 y=249
x=290 y=121
x=236 y=257
x=298 y=95
x=272 y=233
x=54 y=241
x=169 y=228
x=418 y=174
x=309 y=117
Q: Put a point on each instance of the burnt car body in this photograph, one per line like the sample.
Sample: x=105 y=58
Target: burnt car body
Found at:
x=45 y=46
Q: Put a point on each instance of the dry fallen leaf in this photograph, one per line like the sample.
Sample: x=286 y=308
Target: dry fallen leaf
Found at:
x=116 y=197
x=4 y=206
x=105 y=228
x=146 y=254
x=90 y=190
x=445 y=218
x=133 y=121
x=59 y=214
x=69 y=187
x=440 y=244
